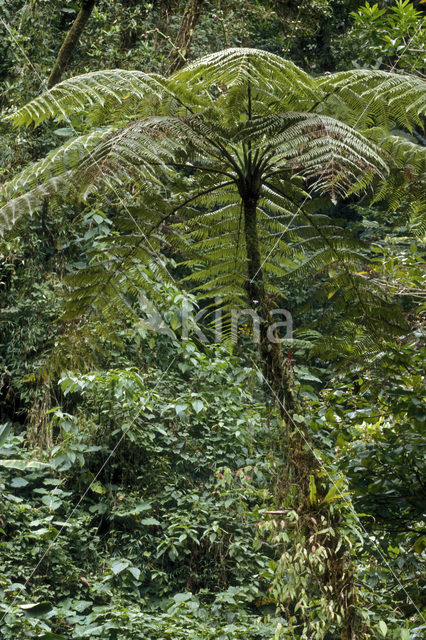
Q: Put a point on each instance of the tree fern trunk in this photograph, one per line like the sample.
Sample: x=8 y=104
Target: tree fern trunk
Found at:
x=294 y=486
x=273 y=362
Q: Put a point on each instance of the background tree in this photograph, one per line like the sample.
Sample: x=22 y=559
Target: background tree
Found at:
x=70 y=42
x=190 y=19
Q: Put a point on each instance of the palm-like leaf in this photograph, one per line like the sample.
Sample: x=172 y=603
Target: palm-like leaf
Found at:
x=90 y=92
x=239 y=124
x=378 y=96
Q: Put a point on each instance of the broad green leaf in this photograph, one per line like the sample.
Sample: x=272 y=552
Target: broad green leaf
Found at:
x=44 y=532
x=180 y=409
x=142 y=506
x=18 y=483
x=135 y=572
x=97 y=487
x=36 y=609
x=383 y=628
x=24 y=465
x=198 y=405
x=5 y=430
x=53 y=502
x=150 y=521
x=119 y=566
x=65 y=132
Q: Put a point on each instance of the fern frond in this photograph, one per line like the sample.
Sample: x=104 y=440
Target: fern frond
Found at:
x=276 y=84
x=30 y=201
x=379 y=96
x=332 y=156
x=57 y=162
x=80 y=94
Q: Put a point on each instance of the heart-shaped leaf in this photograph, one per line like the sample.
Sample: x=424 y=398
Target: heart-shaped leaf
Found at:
x=198 y=405
x=119 y=566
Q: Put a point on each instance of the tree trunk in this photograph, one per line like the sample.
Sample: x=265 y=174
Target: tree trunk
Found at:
x=273 y=363
x=70 y=42
x=301 y=469
x=190 y=19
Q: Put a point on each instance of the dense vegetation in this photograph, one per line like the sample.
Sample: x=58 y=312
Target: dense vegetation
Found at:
x=169 y=468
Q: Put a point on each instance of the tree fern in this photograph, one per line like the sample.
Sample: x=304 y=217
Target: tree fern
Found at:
x=228 y=162
x=239 y=124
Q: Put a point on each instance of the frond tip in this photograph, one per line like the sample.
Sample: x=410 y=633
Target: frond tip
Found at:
x=379 y=96
x=93 y=89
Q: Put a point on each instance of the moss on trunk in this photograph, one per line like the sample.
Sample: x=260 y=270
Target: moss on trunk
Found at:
x=70 y=42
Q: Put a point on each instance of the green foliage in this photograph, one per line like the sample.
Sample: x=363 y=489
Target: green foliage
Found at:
x=255 y=120
x=30 y=291
x=194 y=570
x=388 y=36
x=134 y=495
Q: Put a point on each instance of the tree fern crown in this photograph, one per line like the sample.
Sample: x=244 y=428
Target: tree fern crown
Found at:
x=235 y=126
